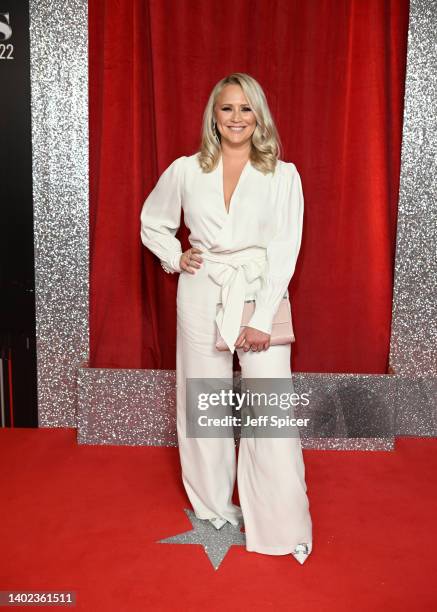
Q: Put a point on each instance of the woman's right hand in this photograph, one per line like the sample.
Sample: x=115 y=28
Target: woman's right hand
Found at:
x=190 y=260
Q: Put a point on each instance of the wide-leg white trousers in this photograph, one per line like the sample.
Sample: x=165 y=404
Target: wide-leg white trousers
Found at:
x=270 y=472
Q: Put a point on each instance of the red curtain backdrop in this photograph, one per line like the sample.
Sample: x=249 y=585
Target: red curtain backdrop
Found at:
x=333 y=72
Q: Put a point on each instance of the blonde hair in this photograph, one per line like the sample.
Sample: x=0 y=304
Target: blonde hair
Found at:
x=266 y=145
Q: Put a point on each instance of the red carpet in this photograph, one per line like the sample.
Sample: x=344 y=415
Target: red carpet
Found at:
x=87 y=518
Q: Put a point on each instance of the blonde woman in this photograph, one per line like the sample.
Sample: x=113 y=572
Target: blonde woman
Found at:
x=244 y=209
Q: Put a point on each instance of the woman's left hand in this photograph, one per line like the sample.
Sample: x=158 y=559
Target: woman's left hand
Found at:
x=252 y=339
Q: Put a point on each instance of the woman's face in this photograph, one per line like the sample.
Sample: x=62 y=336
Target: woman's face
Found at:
x=236 y=121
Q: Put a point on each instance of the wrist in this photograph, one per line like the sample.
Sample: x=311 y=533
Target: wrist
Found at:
x=262 y=319
x=172 y=264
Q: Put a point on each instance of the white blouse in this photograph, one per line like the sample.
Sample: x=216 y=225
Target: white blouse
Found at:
x=265 y=211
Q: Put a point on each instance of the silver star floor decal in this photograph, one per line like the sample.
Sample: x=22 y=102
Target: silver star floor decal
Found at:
x=216 y=542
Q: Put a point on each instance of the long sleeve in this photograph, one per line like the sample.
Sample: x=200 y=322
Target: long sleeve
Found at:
x=282 y=251
x=161 y=216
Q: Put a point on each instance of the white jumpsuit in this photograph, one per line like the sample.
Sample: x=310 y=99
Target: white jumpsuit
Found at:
x=249 y=252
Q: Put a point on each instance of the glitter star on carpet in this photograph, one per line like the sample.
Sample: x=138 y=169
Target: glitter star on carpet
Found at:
x=216 y=542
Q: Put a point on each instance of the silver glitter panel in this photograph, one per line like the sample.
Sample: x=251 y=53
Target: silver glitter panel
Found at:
x=59 y=106
x=417 y=407
x=138 y=407
x=131 y=407
x=414 y=328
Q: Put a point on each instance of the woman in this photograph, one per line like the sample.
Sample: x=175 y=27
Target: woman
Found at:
x=244 y=209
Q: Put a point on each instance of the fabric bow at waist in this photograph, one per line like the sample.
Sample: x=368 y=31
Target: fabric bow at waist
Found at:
x=233 y=272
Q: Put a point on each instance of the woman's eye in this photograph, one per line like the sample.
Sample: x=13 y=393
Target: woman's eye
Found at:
x=245 y=109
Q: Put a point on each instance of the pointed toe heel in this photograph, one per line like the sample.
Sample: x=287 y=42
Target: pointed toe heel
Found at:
x=301 y=553
x=217 y=522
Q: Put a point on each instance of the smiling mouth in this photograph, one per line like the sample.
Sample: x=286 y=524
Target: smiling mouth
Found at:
x=236 y=128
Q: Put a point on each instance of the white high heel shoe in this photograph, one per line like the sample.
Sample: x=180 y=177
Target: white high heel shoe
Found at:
x=218 y=522
x=301 y=552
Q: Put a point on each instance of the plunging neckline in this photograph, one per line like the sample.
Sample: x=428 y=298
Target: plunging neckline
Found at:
x=222 y=186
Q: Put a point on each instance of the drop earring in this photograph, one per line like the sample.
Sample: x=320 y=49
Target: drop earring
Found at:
x=214 y=128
